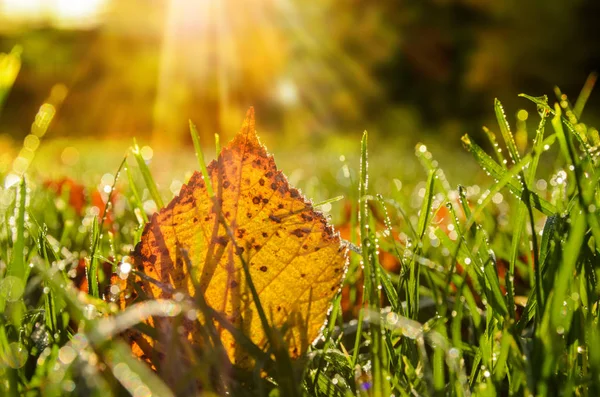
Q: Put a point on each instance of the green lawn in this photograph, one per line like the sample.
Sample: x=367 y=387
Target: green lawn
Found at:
x=493 y=288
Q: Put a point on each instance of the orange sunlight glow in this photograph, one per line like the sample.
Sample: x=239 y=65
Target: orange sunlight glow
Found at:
x=67 y=14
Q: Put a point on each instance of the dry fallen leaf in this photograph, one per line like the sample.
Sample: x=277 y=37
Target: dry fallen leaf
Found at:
x=295 y=259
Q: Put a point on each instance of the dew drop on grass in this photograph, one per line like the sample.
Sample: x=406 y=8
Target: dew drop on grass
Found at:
x=453 y=353
x=68 y=386
x=90 y=312
x=142 y=391
x=67 y=354
x=16 y=355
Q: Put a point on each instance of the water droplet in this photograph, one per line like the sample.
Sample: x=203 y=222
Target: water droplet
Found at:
x=453 y=353
x=68 y=385
x=90 y=312
x=16 y=356
x=67 y=354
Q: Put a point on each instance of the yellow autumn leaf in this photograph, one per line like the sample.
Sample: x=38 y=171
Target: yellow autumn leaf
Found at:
x=295 y=260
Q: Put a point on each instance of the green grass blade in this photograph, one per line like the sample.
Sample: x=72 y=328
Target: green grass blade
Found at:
x=10 y=64
x=584 y=95
x=200 y=157
x=506 y=133
x=542 y=103
x=217 y=145
x=507 y=178
x=328 y=201
x=425 y=213
x=136 y=199
x=93 y=269
x=124 y=366
x=147 y=175
x=497 y=300
x=17 y=264
x=495 y=146
x=564 y=276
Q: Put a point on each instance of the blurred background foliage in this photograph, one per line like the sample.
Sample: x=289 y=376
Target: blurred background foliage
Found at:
x=313 y=69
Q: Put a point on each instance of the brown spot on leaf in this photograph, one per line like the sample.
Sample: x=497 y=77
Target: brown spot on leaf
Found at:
x=223 y=240
x=274 y=219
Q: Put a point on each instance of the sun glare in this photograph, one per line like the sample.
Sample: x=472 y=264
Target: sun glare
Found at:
x=68 y=14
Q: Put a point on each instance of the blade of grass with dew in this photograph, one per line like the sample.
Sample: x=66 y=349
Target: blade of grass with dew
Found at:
x=412 y=296
x=564 y=276
x=328 y=201
x=50 y=303
x=425 y=212
x=552 y=224
x=495 y=146
x=200 y=157
x=506 y=133
x=93 y=268
x=390 y=291
x=136 y=199
x=147 y=175
x=524 y=209
x=542 y=102
x=97 y=236
x=14 y=281
x=16 y=266
x=575 y=166
x=363 y=214
x=372 y=280
x=496 y=298
x=327 y=335
x=506 y=178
